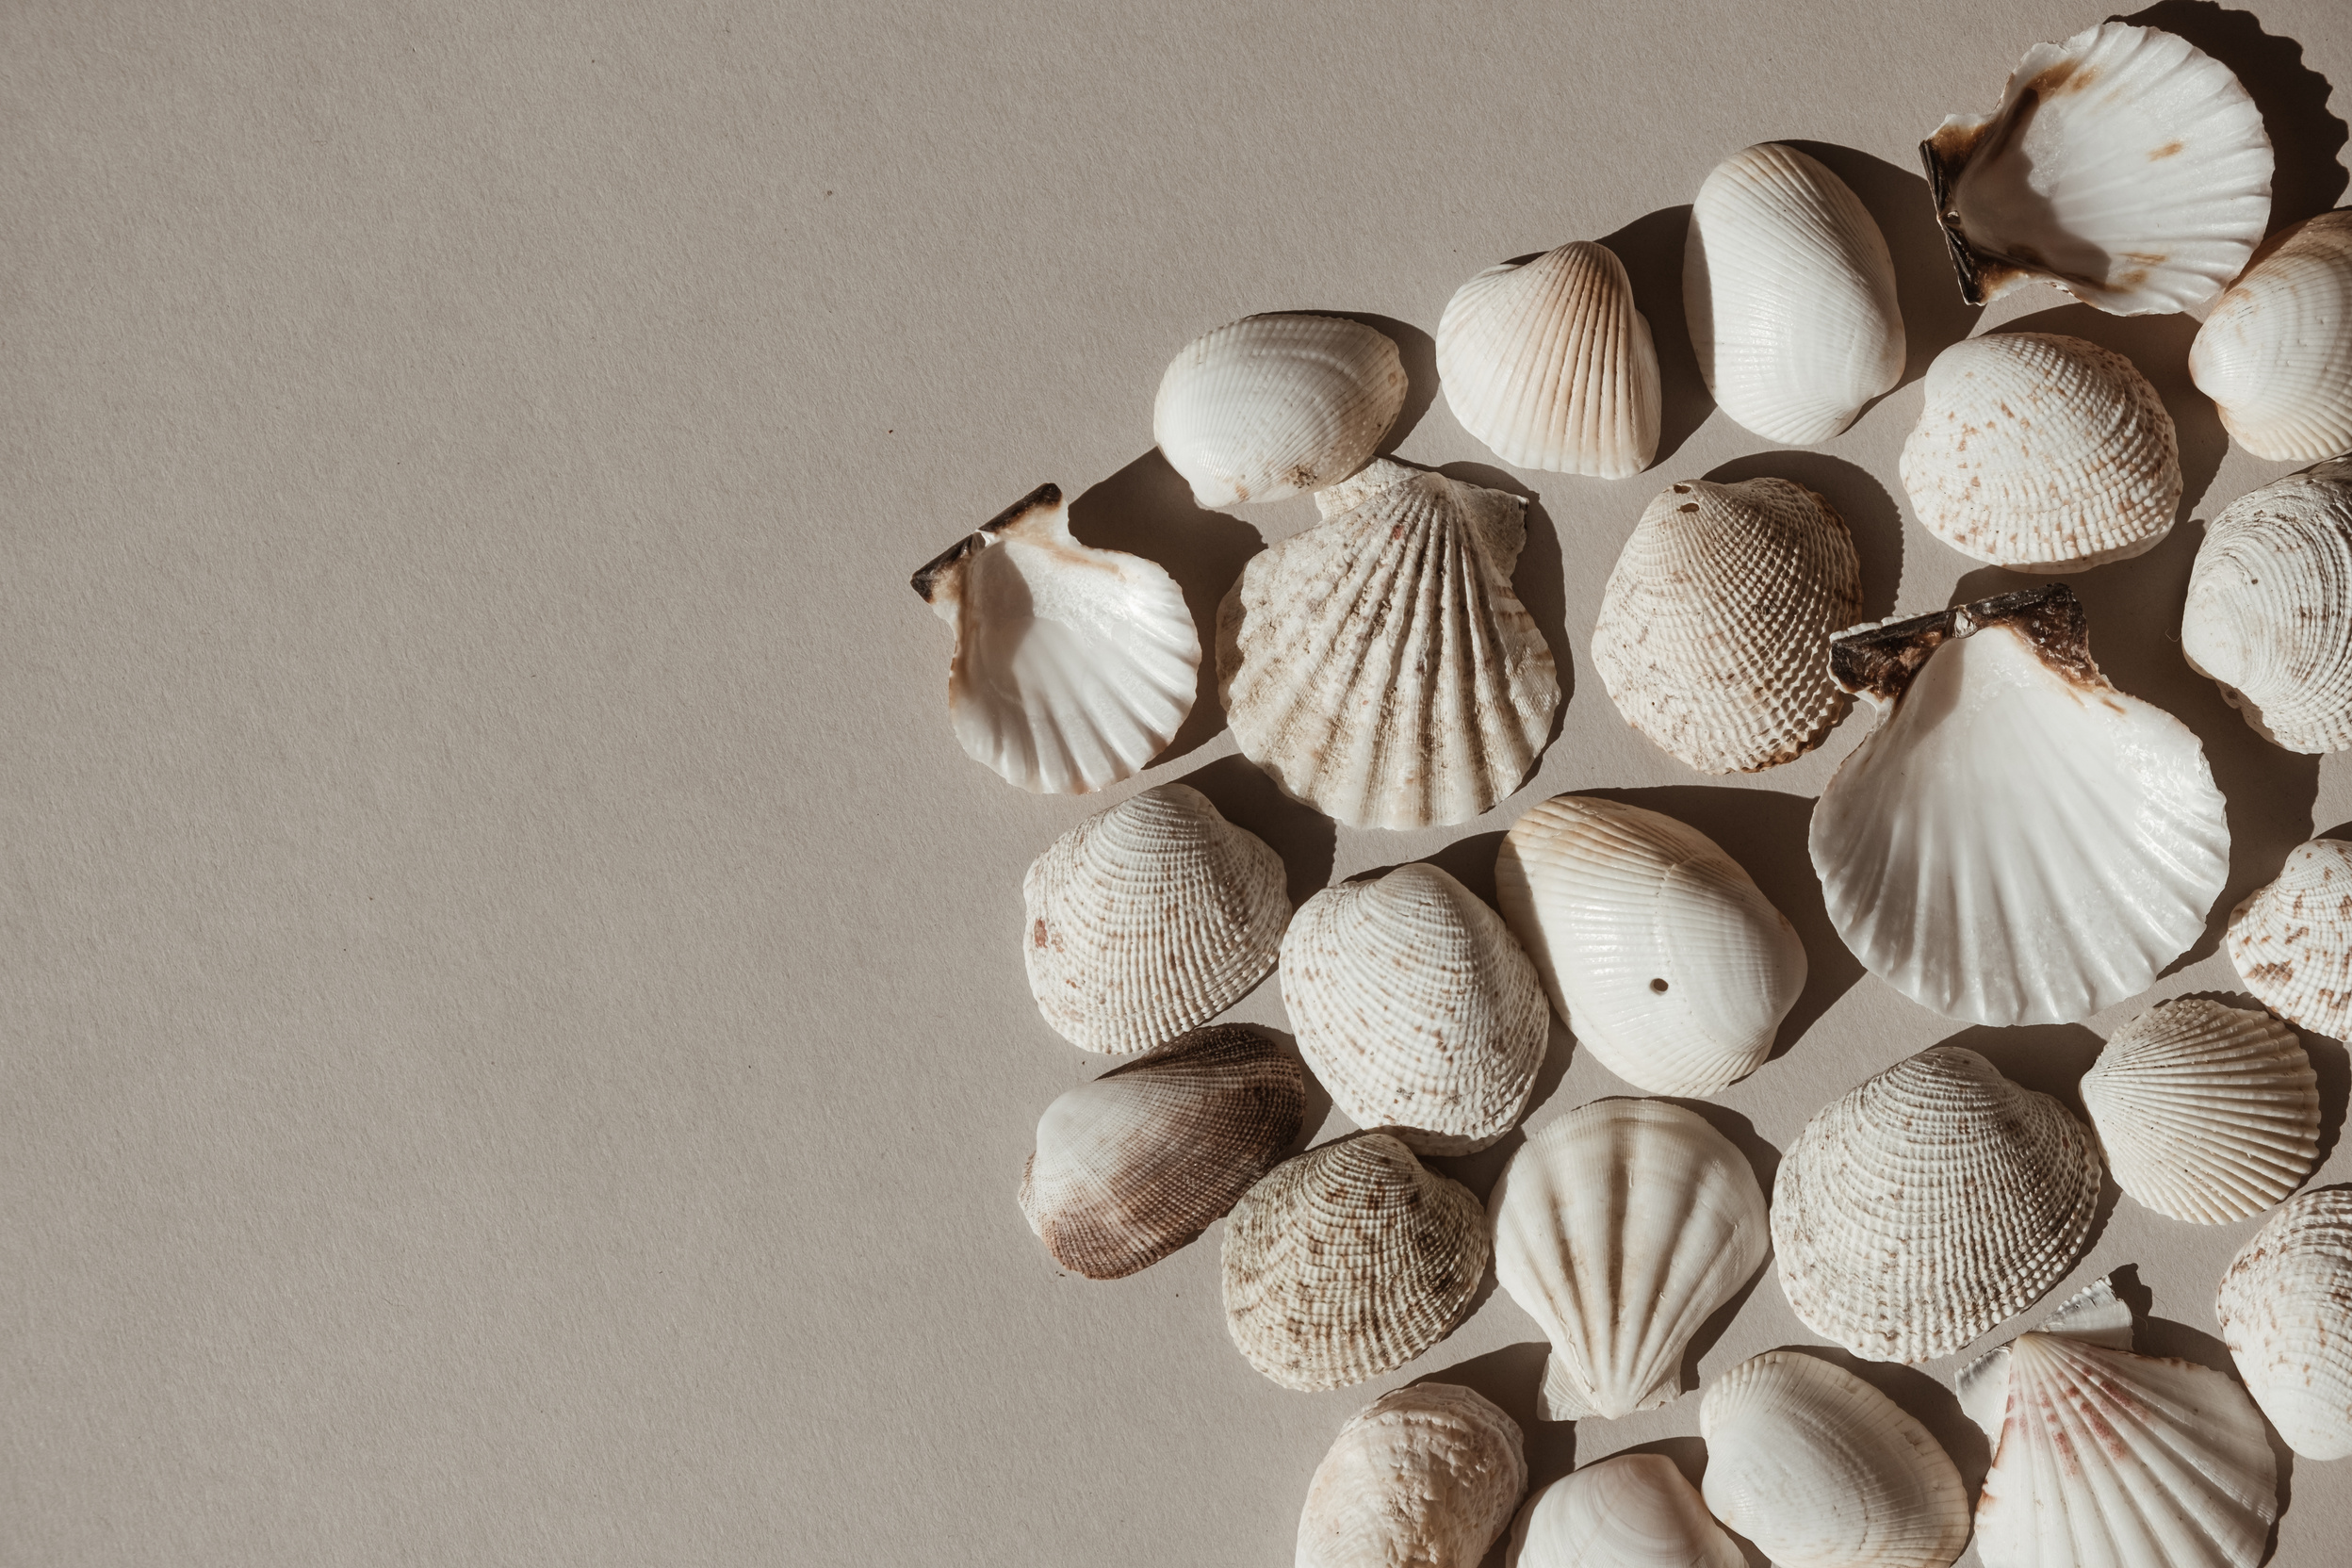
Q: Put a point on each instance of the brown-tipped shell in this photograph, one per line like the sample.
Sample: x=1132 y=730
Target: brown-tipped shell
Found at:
x=1424 y=1476
x=2292 y=940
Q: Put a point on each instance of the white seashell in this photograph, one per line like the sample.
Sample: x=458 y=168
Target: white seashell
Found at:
x=1657 y=950
x=1378 y=665
x=1149 y=918
x=1424 y=1477
x=2206 y=1113
x=2017 y=841
x=1416 y=1009
x=1270 y=405
x=1620 y=1227
x=2286 y=1314
x=1634 y=1510
x=2292 y=939
x=1713 y=637
x=1790 y=296
x=1549 y=364
x=2269 y=612
x=2276 y=355
x=2125 y=165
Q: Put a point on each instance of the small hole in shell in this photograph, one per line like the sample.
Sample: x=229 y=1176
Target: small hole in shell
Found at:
x=1658 y=986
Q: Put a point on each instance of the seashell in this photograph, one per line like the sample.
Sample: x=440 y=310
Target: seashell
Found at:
x=1549 y=364
x=2146 y=195
x=2275 y=355
x=2017 y=841
x=2286 y=1314
x=1136 y=1164
x=1713 y=637
x=1657 y=950
x=1426 y=1476
x=1149 y=918
x=1634 y=1510
x=1415 y=1009
x=1824 y=1471
x=2206 y=1113
x=2041 y=453
x=1347 y=1262
x=2269 y=612
x=1790 y=296
x=2292 y=939
x=1928 y=1203
x=1378 y=665
x=1270 y=405
x=1620 y=1227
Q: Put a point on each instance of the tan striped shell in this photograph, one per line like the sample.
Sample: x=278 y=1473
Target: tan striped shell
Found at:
x=2292 y=939
x=2275 y=355
x=2285 y=1307
x=1271 y=405
x=2269 y=612
x=1428 y=1475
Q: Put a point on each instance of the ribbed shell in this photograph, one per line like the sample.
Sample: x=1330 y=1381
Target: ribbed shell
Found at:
x=1270 y=405
x=2292 y=939
x=2042 y=453
x=1634 y=1510
x=1378 y=665
x=2286 y=1314
x=1659 y=951
x=1347 y=1262
x=1713 y=637
x=2269 y=612
x=2276 y=355
x=1548 y=363
x=1929 y=1204
x=1424 y=1477
x=1416 y=1009
x=1149 y=918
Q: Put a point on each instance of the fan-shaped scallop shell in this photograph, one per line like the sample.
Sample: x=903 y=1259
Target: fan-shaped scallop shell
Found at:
x=1424 y=1477
x=1270 y=405
x=2286 y=1314
x=1634 y=1510
x=2292 y=939
x=2275 y=355
x=2269 y=612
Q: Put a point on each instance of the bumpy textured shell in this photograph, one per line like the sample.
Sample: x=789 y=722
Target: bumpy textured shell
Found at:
x=1347 y=1262
x=1426 y=1476
x=1713 y=637
x=2269 y=612
x=2042 y=453
x=2276 y=355
x=1270 y=405
x=1378 y=665
x=2292 y=939
x=1634 y=1510
x=1136 y=1164
x=1149 y=918
x=2286 y=1314
x=1416 y=1009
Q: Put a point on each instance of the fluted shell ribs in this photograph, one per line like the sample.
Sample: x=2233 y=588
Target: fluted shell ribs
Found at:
x=1347 y=1262
x=2017 y=841
x=1149 y=918
x=1136 y=1164
x=1929 y=1204
x=1620 y=1227
x=2275 y=355
x=2286 y=1314
x=2292 y=939
x=1659 y=951
x=2125 y=165
x=1790 y=296
x=2042 y=453
x=2269 y=612
x=1713 y=637
x=1634 y=1510
x=1424 y=1477
x=1378 y=665
x=1549 y=364
x=1269 y=406
x=1416 y=1009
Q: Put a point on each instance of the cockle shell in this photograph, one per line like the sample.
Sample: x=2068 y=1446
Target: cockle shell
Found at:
x=1929 y=1202
x=1149 y=918
x=1424 y=1477
x=1657 y=950
x=2042 y=453
x=2292 y=939
x=2286 y=1314
x=1270 y=405
x=1790 y=296
x=2017 y=841
x=1634 y=1510
x=1620 y=1227
x=1347 y=1262
x=1378 y=665
x=1713 y=637
x=2275 y=355
x=1416 y=1009
x=1549 y=364
x=2269 y=612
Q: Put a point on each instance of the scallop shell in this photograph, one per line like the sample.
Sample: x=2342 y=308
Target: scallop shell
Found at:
x=1378 y=665
x=1620 y=1227
x=1149 y=918
x=2269 y=612
x=1549 y=364
x=1713 y=637
x=1927 y=1204
x=1347 y=1262
x=1657 y=950
x=2042 y=453
x=2276 y=355
x=1790 y=296
x=1634 y=1510
x=1270 y=405
x=2286 y=1314
x=2292 y=939
x=2147 y=194
x=2206 y=1113
x=2017 y=841
x=1426 y=1476
x=1415 y=1009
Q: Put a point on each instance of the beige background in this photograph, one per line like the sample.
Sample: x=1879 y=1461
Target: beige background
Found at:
x=516 y=1050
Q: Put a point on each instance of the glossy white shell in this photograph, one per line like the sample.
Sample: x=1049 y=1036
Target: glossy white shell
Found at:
x=2292 y=938
x=1634 y=1510
x=2276 y=355
x=2269 y=612
x=2285 y=1308
x=1271 y=405
x=1426 y=1475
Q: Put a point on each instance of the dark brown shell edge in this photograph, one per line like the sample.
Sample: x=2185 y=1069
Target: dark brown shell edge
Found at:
x=927 y=578
x=1948 y=150
x=1882 y=661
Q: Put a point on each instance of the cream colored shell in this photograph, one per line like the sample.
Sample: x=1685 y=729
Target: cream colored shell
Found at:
x=1426 y=1475
x=2269 y=612
x=2292 y=939
x=2276 y=355
x=2285 y=1307
x=1634 y=1510
x=1269 y=406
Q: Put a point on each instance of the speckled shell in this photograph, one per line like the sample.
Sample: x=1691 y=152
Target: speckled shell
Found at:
x=2276 y=355
x=1149 y=918
x=2269 y=612
x=2285 y=1308
x=1634 y=1510
x=1424 y=1477
x=1347 y=1262
x=1416 y=1009
x=2292 y=939
x=1713 y=637
x=1271 y=405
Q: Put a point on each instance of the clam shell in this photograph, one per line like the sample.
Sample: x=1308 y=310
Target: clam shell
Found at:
x=1378 y=665
x=2292 y=939
x=1657 y=950
x=1620 y=1227
x=1713 y=637
x=1270 y=405
x=1634 y=1510
x=2269 y=612
x=2275 y=355
x=1426 y=1475
x=1416 y=1009
x=1149 y=918
x=2286 y=1314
